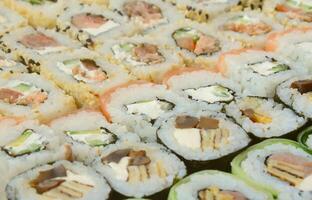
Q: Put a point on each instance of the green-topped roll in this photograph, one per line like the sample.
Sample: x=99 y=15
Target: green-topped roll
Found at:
x=213 y=184
x=305 y=138
x=280 y=166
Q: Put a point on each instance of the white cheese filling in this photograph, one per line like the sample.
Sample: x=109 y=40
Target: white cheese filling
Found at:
x=265 y=68
x=152 y=109
x=211 y=94
x=48 y=50
x=121 y=168
x=189 y=137
x=306 y=184
x=109 y=25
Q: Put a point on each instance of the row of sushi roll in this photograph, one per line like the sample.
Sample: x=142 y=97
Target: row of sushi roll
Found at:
x=99 y=96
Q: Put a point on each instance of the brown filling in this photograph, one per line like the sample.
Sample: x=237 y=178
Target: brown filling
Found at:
x=303 y=86
x=214 y=193
x=43 y=183
x=38 y=41
x=136 y=157
x=256 y=117
x=193 y=122
x=289 y=167
x=88 y=20
x=146 y=11
x=148 y=53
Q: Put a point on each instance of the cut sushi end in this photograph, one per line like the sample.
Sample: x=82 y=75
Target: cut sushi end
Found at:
x=279 y=166
x=213 y=184
x=137 y=169
x=305 y=138
x=60 y=180
x=201 y=135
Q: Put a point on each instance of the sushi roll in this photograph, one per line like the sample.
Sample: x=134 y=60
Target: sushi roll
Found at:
x=137 y=169
x=32 y=96
x=293 y=44
x=89 y=132
x=305 y=138
x=145 y=57
x=25 y=144
x=145 y=15
x=91 y=24
x=83 y=74
x=296 y=93
x=30 y=45
x=213 y=184
x=10 y=20
x=9 y=65
x=198 y=44
x=258 y=72
x=60 y=180
x=38 y=12
x=248 y=27
x=138 y=104
x=209 y=89
x=263 y=117
x=291 y=13
x=204 y=11
x=279 y=166
x=202 y=135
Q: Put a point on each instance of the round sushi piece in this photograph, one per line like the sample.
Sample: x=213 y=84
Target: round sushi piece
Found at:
x=145 y=15
x=25 y=144
x=32 y=96
x=213 y=184
x=137 y=169
x=83 y=74
x=197 y=43
x=294 y=44
x=60 y=180
x=145 y=57
x=263 y=117
x=138 y=104
x=10 y=20
x=202 y=135
x=305 y=138
x=207 y=88
x=291 y=13
x=8 y=64
x=30 y=45
x=249 y=27
x=91 y=24
x=89 y=132
x=280 y=166
x=258 y=72
x=38 y=12
x=296 y=93
x=204 y=11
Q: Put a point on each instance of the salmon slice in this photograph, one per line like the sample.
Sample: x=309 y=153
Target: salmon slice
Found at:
x=88 y=20
x=294 y=13
x=38 y=41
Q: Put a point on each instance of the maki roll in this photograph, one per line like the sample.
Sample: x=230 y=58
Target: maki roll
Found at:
x=137 y=169
x=83 y=74
x=293 y=44
x=9 y=65
x=145 y=15
x=38 y=12
x=213 y=184
x=296 y=93
x=248 y=27
x=139 y=104
x=10 y=20
x=89 y=132
x=204 y=11
x=291 y=13
x=91 y=24
x=209 y=89
x=198 y=44
x=30 y=45
x=280 y=166
x=201 y=135
x=145 y=57
x=305 y=138
x=60 y=180
x=258 y=72
x=263 y=117
x=32 y=96
x=25 y=144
